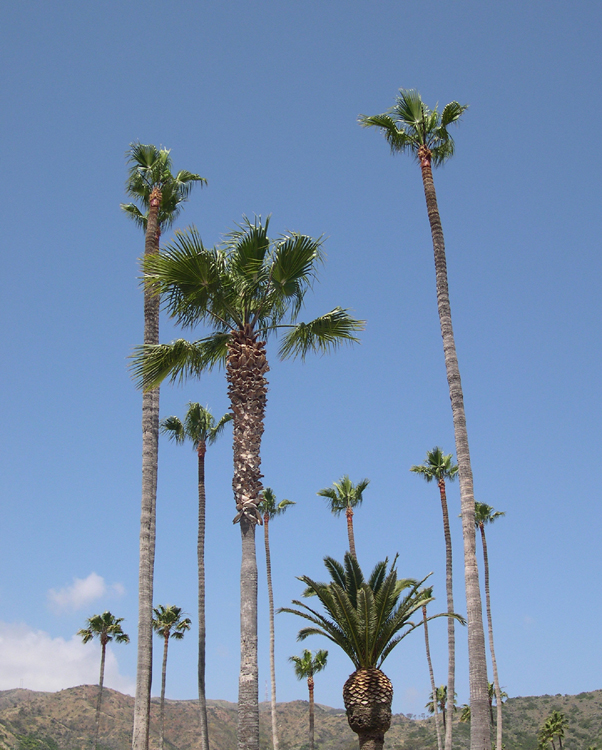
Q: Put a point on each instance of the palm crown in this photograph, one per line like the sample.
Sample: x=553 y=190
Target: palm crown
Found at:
x=344 y=494
x=106 y=627
x=437 y=466
x=308 y=664
x=199 y=426
x=269 y=507
x=410 y=126
x=169 y=623
x=484 y=514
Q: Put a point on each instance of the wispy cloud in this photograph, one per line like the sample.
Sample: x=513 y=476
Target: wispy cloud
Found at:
x=82 y=592
x=33 y=659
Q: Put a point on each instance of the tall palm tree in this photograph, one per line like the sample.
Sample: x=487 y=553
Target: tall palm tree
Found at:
x=244 y=291
x=199 y=426
x=485 y=514
x=367 y=619
x=168 y=623
x=345 y=496
x=158 y=197
x=106 y=628
x=439 y=467
x=306 y=666
x=270 y=509
x=410 y=126
x=432 y=676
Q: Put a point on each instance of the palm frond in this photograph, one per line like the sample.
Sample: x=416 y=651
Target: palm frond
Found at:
x=174 y=429
x=134 y=213
x=320 y=335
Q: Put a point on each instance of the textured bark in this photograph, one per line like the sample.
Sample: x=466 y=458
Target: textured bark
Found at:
x=310 y=687
x=247 y=388
x=163 y=679
x=201 y=450
x=268 y=565
x=103 y=651
x=496 y=680
x=349 y=514
x=367 y=695
x=432 y=676
x=477 y=663
x=150 y=457
x=451 y=635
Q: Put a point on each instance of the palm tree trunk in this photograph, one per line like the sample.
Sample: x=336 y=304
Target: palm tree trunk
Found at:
x=163 y=679
x=496 y=680
x=103 y=649
x=477 y=660
x=310 y=687
x=268 y=565
x=349 y=514
x=150 y=457
x=247 y=388
x=432 y=676
x=451 y=634
x=201 y=450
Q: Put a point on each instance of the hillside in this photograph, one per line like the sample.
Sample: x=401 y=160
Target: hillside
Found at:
x=65 y=721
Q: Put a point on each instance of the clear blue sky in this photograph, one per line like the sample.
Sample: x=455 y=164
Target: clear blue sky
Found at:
x=261 y=98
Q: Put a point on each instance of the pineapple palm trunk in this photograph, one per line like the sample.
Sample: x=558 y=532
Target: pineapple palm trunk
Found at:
x=268 y=565
x=150 y=457
x=451 y=633
x=367 y=695
x=163 y=679
x=477 y=663
x=349 y=514
x=432 y=676
x=101 y=679
x=310 y=687
x=496 y=680
x=201 y=450
x=247 y=388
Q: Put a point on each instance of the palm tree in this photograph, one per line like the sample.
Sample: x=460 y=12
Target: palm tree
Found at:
x=439 y=467
x=168 y=623
x=306 y=666
x=270 y=509
x=432 y=676
x=106 y=628
x=243 y=291
x=553 y=726
x=440 y=703
x=160 y=195
x=465 y=716
x=485 y=514
x=345 y=496
x=199 y=426
x=410 y=126
x=367 y=619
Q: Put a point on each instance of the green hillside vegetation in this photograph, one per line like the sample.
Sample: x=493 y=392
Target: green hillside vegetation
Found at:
x=65 y=721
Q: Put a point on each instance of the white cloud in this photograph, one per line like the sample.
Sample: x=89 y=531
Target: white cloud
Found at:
x=33 y=659
x=82 y=592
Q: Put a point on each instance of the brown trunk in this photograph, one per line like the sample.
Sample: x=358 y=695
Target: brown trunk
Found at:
x=367 y=695
x=310 y=687
x=247 y=388
x=451 y=635
x=163 y=680
x=268 y=565
x=150 y=453
x=477 y=661
x=432 y=676
x=349 y=514
x=204 y=732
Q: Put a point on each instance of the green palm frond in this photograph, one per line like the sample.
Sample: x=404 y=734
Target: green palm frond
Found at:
x=308 y=664
x=437 y=466
x=484 y=514
x=134 y=213
x=270 y=507
x=320 y=335
x=344 y=494
x=173 y=428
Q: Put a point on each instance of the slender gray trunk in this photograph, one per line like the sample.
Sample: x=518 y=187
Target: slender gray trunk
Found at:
x=350 y=535
x=432 y=676
x=201 y=604
x=310 y=686
x=268 y=565
x=163 y=680
x=496 y=680
x=451 y=636
x=480 y=738
x=103 y=649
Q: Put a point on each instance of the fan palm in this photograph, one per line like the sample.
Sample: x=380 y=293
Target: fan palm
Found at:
x=439 y=703
x=244 y=291
x=367 y=619
x=485 y=514
x=199 y=426
x=106 y=628
x=306 y=666
x=411 y=127
x=168 y=623
x=160 y=195
x=439 y=467
x=270 y=509
x=345 y=496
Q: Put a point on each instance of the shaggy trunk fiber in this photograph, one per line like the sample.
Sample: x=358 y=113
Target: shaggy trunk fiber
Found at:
x=247 y=388
x=349 y=514
x=367 y=695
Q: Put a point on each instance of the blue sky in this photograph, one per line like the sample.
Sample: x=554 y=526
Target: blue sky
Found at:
x=261 y=98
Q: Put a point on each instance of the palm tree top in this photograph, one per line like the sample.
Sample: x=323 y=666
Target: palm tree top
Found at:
x=268 y=505
x=308 y=664
x=484 y=514
x=344 y=494
x=168 y=621
x=410 y=126
x=106 y=626
x=199 y=425
x=437 y=466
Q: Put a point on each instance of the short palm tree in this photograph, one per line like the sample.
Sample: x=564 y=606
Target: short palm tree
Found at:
x=306 y=666
x=553 y=726
x=345 y=496
x=439 y=467
x=367 y=619
x=440 y=703
x=106 y=628
x=168 y=623
x=244 y=291
x=199 y=426
x=158 y=196
x=270 y=509
x=412 y=127
x=485 y=514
